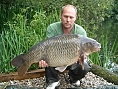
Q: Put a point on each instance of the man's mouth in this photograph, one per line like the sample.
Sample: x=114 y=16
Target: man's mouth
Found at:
x=67 y=24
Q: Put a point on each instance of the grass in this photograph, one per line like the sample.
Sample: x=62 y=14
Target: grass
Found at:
x=108 y=52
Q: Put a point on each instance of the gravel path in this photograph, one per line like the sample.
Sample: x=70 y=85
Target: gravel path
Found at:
x=90 y=80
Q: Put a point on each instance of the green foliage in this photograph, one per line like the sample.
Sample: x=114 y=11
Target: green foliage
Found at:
x=11 y=45
x=115 y=11
x=107 y=53
x=92 y=13
x=22 y=34
x=19 y=38
x=24 y=23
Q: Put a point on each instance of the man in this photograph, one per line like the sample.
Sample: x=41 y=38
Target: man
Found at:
x=66 y=26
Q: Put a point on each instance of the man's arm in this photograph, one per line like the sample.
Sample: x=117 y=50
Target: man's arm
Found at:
x=50 y=32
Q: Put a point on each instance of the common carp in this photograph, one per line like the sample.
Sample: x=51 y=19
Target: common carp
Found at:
x=59 y=51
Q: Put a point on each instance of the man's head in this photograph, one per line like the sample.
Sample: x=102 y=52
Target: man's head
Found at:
x=68 y=16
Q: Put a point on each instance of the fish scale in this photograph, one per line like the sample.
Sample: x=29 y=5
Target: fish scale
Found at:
x=63 y=53
x=58 y=51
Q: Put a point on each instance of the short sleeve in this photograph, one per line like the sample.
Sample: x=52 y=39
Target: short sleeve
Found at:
x=54 y=29
x=50 y=32
x=80 y=30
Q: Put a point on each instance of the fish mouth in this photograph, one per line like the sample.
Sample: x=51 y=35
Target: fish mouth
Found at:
x=97 y=48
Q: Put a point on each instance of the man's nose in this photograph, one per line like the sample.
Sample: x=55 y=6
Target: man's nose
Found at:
x=68 y=19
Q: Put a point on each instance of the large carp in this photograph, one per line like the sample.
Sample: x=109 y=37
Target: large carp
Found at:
x=59 y=51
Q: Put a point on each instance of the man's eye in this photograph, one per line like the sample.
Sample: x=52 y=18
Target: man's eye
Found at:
x=71 y=17
x=66 y=16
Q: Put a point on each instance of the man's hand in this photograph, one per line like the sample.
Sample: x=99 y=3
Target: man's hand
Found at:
x=42 y=64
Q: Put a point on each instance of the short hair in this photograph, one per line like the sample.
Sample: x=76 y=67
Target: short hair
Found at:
x=68 y=6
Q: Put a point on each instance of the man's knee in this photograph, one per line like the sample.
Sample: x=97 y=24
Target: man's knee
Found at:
x=78 y=73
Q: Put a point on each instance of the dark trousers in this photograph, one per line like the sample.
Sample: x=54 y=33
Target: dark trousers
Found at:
x=74 y=74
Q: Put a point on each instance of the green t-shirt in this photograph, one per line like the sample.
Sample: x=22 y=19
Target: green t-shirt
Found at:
x=55 y=29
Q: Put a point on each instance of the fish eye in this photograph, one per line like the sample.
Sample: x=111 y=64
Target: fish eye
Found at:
x=93 y=43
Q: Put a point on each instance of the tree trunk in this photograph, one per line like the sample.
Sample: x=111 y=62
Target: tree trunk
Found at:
x=104 y=73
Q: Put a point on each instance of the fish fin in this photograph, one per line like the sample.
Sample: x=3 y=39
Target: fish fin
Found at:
x=21 y=63
x=61 y=69
x=17 y=61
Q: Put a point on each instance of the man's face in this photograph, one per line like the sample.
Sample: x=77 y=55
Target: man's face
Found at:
x=68 y=17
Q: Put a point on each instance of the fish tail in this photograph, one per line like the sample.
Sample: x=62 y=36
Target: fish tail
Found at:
x=23 y=68
x=17 y=61
x=21 y=63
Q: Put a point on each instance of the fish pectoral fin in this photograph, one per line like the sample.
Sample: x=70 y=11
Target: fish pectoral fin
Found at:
x=61 y=68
